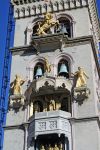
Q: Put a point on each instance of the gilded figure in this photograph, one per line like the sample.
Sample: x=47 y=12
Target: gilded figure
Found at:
x=58 y=106
x=47 y=24
x=47 y=66
x=16 y=85
x=52 y=105
x=42 y=147
x=61 y=146
x=80 y=77
x=50 y=147
x=56 y=147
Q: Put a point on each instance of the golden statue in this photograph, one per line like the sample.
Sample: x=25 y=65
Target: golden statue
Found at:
x=58 y=106
x=42 y=147
x=52 y=105
x=61 y=147
x=16 y=85
x=81 y=77
x=50 y=148
x=47 y=66
x=56 y=147
x=47 y=24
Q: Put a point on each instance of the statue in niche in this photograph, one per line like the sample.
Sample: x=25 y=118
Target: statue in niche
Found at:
x=47 y=66
x=56 y=147
x=42 y=147
x=47 y=24
x=58 y=106
x=16 y=85
x=80 y=77
x=61 y=146
x=52 y=105
x=50 y=147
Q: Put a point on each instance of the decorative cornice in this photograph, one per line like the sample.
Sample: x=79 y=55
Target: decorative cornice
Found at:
x=22 y=10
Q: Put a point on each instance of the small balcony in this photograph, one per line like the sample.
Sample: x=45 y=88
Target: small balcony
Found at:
x=52 y=122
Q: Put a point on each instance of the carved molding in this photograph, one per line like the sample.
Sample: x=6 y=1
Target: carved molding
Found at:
x=24 y=9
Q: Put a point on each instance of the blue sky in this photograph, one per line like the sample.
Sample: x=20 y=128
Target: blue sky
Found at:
x=3 y=30
x=98 y=5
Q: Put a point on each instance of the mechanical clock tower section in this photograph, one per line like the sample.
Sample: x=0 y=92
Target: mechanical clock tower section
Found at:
x=54 y=90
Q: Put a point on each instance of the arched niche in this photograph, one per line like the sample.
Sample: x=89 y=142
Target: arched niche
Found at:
x=65 y=24
x=63 y=68
x=31 y=29
x=32 y=65
x=68 y=61
x=38 y=70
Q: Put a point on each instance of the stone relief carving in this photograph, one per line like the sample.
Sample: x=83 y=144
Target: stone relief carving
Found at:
x=53 y=125
x=42 y=126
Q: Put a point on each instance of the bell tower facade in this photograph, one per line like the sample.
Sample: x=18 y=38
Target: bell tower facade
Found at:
x=54 y=96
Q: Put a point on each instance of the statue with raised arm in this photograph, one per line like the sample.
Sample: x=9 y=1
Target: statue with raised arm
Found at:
x=46 y=24
x=81 y=77
x=16 y=85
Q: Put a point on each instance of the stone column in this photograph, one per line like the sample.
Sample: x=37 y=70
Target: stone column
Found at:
x=25 y=136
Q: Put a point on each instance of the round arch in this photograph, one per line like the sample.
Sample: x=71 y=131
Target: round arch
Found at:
x=29 y=29
x=67 y=21
x=66 y=57
x=31 y=65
